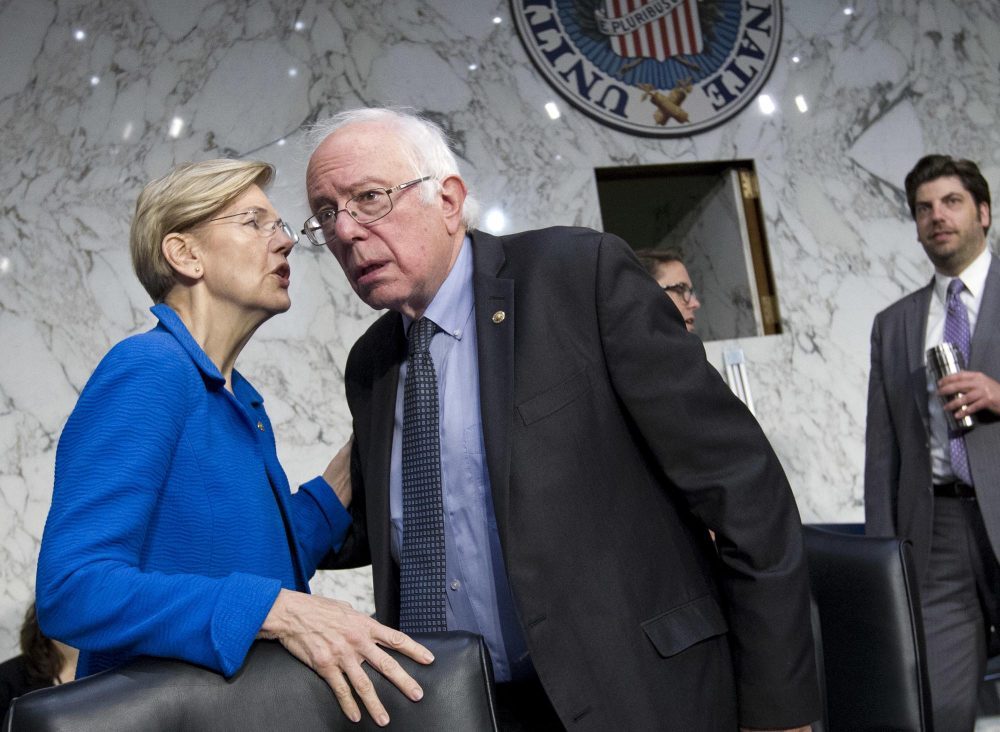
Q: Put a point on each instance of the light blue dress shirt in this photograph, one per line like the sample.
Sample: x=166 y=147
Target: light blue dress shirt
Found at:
x=479 y=597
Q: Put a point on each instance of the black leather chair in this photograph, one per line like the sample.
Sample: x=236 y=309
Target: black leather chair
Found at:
x=871 y=633
x=273 y=691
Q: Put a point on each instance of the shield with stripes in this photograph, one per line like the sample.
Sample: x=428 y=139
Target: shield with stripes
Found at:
x=651 y=28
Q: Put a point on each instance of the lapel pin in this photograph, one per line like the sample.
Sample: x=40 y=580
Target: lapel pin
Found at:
x=499 y=316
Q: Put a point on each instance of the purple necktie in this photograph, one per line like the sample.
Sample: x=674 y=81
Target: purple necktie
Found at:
x=422 y=560
x=956 y=330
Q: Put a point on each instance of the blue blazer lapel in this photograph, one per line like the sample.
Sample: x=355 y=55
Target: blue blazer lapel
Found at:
x=494 y=300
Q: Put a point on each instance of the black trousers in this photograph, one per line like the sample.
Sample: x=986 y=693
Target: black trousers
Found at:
x=522 y=706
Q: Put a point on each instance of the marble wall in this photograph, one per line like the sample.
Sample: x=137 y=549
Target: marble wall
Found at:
x=97 y=97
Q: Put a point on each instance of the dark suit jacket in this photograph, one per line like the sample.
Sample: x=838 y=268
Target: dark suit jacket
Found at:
x=611 y=444
x=899 y=499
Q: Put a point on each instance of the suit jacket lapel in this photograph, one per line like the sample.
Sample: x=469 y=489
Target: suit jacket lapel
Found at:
x=916 y=334
x=494 y=299
x=384 y=385
x=984 y=343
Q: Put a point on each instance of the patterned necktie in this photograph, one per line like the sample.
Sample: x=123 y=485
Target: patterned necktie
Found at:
x=956 y=330
x=422 y=565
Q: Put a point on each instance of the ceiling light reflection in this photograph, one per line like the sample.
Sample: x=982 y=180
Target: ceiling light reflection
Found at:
x=176 y=127
x=495 y=221
x=4 y=265
x=552 y=110
x=79 y=34
x=766 y=104
x=800 y=102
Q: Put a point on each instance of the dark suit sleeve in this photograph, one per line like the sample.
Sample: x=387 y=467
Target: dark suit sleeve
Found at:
x=881 y=448
x=714 y=453
x=354 y=552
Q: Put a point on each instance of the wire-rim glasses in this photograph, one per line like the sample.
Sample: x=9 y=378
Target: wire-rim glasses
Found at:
x=263 y=229
x=365 y=208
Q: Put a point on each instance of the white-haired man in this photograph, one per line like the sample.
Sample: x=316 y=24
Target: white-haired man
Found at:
x=539 y=462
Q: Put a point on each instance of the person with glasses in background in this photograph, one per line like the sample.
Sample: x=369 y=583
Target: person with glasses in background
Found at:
x=539 y=448
x=667 y=268
x=173 y=531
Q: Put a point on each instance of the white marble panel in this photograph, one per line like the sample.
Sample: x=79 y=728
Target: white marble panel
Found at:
x=84 y=123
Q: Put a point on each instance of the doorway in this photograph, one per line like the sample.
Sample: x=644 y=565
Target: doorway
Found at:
x=711 y=213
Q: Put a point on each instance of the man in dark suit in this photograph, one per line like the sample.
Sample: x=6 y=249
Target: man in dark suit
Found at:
x=586 y=448
x=923 y=482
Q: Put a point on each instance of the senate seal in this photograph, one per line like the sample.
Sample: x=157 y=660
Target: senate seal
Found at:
x=662 y=68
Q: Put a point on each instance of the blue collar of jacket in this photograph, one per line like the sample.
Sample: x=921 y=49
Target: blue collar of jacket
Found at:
x=171 y=322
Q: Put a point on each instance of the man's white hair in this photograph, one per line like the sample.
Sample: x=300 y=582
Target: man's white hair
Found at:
x=424 y=145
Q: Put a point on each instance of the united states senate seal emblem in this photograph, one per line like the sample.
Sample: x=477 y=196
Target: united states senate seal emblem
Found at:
x=661 y=68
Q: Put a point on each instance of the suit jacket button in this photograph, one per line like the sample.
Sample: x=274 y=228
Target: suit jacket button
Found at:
x=499 y=316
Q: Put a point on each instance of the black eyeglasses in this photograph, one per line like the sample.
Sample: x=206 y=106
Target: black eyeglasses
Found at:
x=682 y=290
x=263 y=229
x=365 y=208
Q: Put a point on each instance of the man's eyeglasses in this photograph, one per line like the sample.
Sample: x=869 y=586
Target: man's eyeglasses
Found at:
x=682 y=289
x=262 y=228
x=365 y=208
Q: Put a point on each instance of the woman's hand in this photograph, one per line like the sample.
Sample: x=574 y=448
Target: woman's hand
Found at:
x=338 y=473
x=334 y=639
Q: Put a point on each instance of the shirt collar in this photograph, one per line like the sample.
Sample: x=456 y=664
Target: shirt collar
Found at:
x=973 y=277
x=453 y=302
x=171 y=322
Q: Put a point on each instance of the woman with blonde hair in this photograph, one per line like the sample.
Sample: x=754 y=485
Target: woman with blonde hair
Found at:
x=173 y=531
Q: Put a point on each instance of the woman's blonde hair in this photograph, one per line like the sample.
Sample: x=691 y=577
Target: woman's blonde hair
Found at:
x=190 y=194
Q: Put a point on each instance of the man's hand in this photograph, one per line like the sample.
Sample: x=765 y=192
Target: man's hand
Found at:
x=334 y=639
x=338 y=473
x=973 y=391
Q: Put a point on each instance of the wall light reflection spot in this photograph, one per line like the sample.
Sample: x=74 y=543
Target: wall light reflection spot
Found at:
x=281 y=142
x=4 y=265
x=495 y=221
x=293 y=72
x=299 y=25
x=552 y=110
x=497 y=20
x=79 y=35
x=795 y=59
x=766 y=104
x=848 y=11
x=176 y=127
x=473 y=67
x=127 y=132
x=800 y=102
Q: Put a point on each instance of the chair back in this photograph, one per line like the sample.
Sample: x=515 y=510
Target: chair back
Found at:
x=873 y=656
x=272 y=691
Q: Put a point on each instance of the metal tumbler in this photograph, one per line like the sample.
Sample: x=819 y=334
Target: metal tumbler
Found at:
x=942 y=360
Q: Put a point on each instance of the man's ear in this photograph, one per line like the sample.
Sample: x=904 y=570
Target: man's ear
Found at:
x=984 y=215
x=453 y=193
x=182 y=255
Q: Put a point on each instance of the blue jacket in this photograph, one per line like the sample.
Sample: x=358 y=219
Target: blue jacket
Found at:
x=173 y=527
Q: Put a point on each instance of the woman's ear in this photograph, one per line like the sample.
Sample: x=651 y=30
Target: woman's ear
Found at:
x=182 y=255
